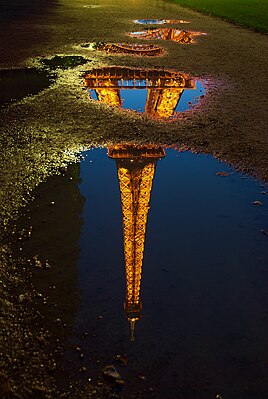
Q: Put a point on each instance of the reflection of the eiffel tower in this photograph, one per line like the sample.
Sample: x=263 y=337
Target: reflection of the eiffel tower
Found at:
x=165 y=88
x=136 y=168
x=130 y=48
x=175 y=35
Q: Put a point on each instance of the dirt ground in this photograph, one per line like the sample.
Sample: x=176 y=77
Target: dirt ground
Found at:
x=40 y=134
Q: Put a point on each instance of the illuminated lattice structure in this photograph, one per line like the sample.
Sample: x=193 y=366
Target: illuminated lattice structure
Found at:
x=135 y=168
x=164 y=87
x=148 y=50
x=176 y=35
x=162 y=103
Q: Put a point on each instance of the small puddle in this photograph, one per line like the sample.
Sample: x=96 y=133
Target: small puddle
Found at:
x=172 y=269
x=147 y=50
x=63 y=62
x=94 y=6
x=159 y=94
x=175 y=35
x=15 y=84
x=160 y=21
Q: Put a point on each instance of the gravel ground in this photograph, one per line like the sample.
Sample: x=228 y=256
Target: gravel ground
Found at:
x=43 y=133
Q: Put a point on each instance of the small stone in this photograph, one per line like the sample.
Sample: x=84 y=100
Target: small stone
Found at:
x=256 y=203
x=22 y=298
x=222 y=174
x=263 y=192
x=122 y=359
x=37 y=262
x=111 y=374
x=47 y=265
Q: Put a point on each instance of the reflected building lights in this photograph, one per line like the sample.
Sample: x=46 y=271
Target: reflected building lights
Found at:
x=136 y=168
x=175 y=35
x=164 y=88
x=160 y=21
x=147 y=50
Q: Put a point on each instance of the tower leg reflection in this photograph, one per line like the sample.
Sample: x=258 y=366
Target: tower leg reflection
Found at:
x=135 y=167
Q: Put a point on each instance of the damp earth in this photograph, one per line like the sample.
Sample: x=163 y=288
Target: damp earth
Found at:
x=133 y=203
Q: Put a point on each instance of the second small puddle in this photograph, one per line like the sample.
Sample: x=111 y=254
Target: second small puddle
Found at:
x=175 y=35
x=63 y=62
x=160 y=94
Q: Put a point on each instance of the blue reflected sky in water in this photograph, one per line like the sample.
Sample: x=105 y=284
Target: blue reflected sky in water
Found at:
x=149 y=21
x=205 y=277
x=135 y=99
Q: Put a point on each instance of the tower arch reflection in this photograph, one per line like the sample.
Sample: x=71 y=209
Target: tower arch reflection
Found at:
x=164 y=88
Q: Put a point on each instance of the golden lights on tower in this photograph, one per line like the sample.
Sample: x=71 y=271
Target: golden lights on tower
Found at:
x=147 y=50
x=175 y=35
x=164 y=88
x=135 y=167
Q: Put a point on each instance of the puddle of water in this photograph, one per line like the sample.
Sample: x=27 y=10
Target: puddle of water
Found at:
x=160 y=21
x=63 y=62
x=15 y=84
x=159 y=94
x=195 y=292
x=173 y=273
x=129 y=48
x=93 y=6
x=175 y=35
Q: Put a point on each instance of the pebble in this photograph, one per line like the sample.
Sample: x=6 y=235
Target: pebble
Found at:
x=222 y=174
x=23 y=298
x=256 y=203
x=122 y=359
x=111 y=374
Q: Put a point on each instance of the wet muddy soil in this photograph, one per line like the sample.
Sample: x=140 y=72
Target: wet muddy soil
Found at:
x=41 y=134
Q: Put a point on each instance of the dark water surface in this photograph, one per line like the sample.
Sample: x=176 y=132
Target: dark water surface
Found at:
x=15 y=84
x=203 y=327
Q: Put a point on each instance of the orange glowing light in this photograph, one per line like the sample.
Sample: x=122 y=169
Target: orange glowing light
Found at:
x=176 y=35
x=135 y=168
x=130 y=48
x=164 y=87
